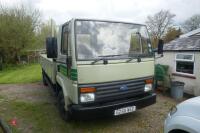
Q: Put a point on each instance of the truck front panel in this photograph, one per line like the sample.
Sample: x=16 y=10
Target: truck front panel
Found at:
x=114 y=72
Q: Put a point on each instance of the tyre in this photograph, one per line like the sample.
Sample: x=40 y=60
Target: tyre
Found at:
x=44 y=79
x=65 y=115
x=178 y=131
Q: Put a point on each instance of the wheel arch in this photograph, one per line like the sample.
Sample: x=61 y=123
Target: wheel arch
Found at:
x=182 y=123
x=178 y=131
x=62 y=87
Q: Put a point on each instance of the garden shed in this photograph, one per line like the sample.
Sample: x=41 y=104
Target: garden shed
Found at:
x=182 y=55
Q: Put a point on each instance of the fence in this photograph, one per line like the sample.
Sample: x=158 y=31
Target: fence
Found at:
x=31 y=56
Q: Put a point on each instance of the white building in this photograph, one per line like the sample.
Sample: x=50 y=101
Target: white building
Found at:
x=182 y=55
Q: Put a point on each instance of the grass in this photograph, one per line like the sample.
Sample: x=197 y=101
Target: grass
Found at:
x=43 y=118
x=21 y=74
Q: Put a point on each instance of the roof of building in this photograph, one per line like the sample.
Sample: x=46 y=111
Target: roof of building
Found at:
x=194 y=32
x=187 y=42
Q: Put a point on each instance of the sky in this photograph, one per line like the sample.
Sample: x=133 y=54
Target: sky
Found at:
x=123 y=10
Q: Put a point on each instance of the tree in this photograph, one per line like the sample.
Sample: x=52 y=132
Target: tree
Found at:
x=192 y=23
x=17 y=31
x=46 y=29
x=172 y=33
x=159 y=23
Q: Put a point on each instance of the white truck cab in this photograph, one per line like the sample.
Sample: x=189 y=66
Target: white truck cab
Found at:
x=99 y=67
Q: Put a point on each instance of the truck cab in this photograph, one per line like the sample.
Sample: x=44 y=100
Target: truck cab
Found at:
x=100 y=67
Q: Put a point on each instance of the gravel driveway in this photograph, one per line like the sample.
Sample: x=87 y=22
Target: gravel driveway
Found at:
x=147 y=120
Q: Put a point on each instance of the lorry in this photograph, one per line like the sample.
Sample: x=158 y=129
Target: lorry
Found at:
x=99 y=68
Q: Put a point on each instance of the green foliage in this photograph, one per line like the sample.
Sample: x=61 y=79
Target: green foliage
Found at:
x=21 y=74
x=172 y=33
x=46 y=29
x=161 y=71
x=17 y=31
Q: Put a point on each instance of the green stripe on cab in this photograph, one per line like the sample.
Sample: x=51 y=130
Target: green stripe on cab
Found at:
x=62 y=69
x=73 y=74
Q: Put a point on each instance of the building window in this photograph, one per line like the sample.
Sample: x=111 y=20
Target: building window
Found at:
x=185 y=63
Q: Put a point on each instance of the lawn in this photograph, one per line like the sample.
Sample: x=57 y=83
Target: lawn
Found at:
x=21 y=74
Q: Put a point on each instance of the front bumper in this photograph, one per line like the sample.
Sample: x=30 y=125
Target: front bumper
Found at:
x=81 y=111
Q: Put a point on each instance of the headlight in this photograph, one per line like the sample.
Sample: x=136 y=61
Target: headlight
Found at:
x=173 y=110
x=87 y=97
x=148 y=87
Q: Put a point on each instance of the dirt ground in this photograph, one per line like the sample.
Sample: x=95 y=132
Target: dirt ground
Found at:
x=147 y=120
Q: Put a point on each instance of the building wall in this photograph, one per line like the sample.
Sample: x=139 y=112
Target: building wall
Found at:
x=192 y=86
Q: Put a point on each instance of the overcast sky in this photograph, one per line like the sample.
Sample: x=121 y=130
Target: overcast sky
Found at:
x=126 y=10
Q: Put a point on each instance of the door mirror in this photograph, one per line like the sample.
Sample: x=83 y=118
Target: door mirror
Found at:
x=51 y=47
x=160 y=46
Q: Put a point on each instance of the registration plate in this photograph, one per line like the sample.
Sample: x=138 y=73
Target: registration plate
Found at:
x=124 y=110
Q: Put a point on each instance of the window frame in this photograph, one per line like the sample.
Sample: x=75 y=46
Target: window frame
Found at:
x=62 y=39
x=69 y=41
x=185 y=60
x=149 y=55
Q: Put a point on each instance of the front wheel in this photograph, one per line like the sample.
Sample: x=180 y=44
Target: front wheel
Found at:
x=61 y=106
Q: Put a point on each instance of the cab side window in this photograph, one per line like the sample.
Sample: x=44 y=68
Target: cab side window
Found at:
x=69 y=40
x=64 y=40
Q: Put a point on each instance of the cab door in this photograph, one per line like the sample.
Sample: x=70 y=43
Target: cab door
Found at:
x=65 y=60
x=64 y=64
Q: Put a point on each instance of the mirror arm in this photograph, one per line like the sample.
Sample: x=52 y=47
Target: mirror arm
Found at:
x=157 y=57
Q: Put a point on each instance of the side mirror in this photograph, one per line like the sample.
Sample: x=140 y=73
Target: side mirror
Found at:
x=160 y=46
x=51 y=47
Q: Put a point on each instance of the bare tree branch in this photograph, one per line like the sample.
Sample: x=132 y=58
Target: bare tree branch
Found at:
x=159 y=22
x=192 y=23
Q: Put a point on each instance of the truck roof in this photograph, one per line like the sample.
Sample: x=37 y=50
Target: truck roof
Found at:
x=104 y=20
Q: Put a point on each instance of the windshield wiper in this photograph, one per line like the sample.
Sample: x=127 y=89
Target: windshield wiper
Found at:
x=97 y=60
x=112 y=55
x=135 y=57
x=103 y=57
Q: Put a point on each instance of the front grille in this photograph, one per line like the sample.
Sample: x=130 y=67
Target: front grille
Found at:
x=110 y=91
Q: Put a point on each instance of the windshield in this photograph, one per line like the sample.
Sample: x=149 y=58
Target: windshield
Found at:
x=95 y=39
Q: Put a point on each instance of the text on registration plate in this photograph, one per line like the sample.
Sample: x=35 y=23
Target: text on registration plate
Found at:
x=125 y=110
